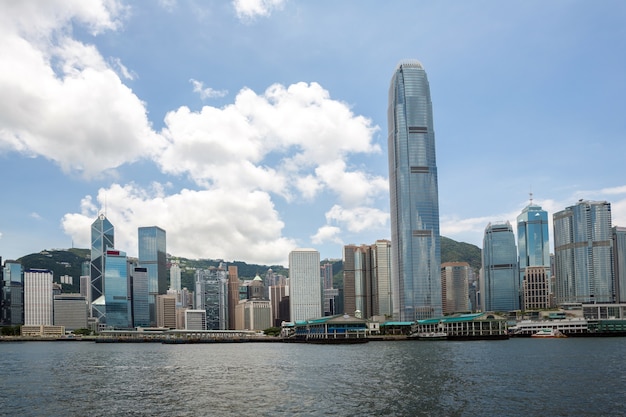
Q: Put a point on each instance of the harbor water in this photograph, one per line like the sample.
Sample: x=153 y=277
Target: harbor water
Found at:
x=516 y=377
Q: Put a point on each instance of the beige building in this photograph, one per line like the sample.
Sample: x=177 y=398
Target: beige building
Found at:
x=455 y=287
x=536 y=287
x=166 y=311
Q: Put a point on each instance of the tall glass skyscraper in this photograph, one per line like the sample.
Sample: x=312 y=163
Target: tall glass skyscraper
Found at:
x=583 y=253
x=500 y=284
x=415 y=239
x=153 y=257
x=102 y=238
x=533 y=244
x=117 y=304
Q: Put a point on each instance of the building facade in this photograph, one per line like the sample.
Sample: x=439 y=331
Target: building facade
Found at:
x=12 y=311
x=533 y=246
x=305 y=287
x=212 y=297
x=583 y=250
x=619 y=256
x=102 y=239
x=536 y=288
x=70 y=311
x=415 y=238
x=175 y=276
x=500 y=284
x=381 y=272
x=118 y=313
x=455 y=287
x=153 y=257
x=140 y=297
x=38 y=306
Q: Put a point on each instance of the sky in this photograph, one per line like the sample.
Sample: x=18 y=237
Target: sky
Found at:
x=249 y=128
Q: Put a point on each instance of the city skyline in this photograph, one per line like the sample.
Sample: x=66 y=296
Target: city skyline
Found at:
x=245 y=143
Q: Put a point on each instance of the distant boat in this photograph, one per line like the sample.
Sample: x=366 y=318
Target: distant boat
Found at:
x=548 y=333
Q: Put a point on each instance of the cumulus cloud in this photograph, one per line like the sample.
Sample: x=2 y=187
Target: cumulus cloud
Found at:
x=359 y=218
x=327 y=234
x=61 y=100
x=250 y=9
x=232 y=225
x=208 y=92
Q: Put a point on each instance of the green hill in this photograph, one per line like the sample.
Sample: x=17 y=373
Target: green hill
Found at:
x=60 y=262
x=453 y=251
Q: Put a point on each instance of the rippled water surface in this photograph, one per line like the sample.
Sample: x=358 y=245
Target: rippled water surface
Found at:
x=518 y=377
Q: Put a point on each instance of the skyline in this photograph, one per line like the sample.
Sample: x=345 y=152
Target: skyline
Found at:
x=247 y=129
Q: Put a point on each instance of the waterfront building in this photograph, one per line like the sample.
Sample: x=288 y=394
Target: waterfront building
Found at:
x=166 y=311
x=175 y=276
x=102 y=239
x=500 y=286
x=279 y=301
x=38 y=297
x=212 y=296
x=415 y=238
x=534 y=251
x=455 y=287
x=358 y=286
x=195 y=319
x=381 y=273
x=140 y=296
x=12 y=301
x=153 y=257
x=70 y=311
x=116 y=283
x=619 y=256
x=254 y=315
x=469 y=326
x=329 y=293
x=583 y=249
x=233 y=295
x=305 y=297
x=536 y=288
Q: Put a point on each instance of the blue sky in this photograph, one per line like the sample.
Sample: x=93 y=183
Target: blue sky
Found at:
x=248 y=128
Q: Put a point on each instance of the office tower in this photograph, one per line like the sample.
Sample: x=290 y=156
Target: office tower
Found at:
x=140 y=297
x=455 y=287
x=212 y=296
x=195 y=320
x=305 y=287
x=619 y=256
x=500 y=286
x=583 y=251
x=153 y=256
x=70 y=311
x=12 y=313
x=175 y=276
x=280 y=310
x=233 y=295
x=116 y=303
x=38 y=297
x=102 y=238
x=358 y=285
x=534 y=250
x=381 y=273
x=166 y=311
x=254 y=315
x=415 y=239
x=536 y=288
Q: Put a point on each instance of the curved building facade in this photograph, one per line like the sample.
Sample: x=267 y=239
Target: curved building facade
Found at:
x=415 y=238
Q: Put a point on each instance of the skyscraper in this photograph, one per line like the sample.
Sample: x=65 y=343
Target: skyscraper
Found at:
x=619 y=255
x=117 y=303
x=583 y=252
x=305 y=287
x=499 y=284
x=38 y=297
x=455 y=287
x=102 y=238
x=415 y=239
x=153 y=257
x=175 y=276
x=212 y=296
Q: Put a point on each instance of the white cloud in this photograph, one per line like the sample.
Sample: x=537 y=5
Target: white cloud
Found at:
x=359 y=218
x=232 y=225
x=327 y=234
x=35 y=216
x=208 y=92
x=250 y=9
x=60 y=98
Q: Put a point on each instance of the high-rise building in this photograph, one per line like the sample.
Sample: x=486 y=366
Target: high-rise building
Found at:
x=175 y=276
x=533 y=247
x=102 y=239
x=166 y=311
x=12 y=304
x=619 y=255
x=116 y=283
x=212 y=296
x=38 y=297
x=140 y=296
x=536 y=288
x=70 y=311
x=499 y=284
x=583 y=251
x=305 y=287
x=153 y=257
x=455 y=287
x=233 y=294
x=381 y=273
x=415 y=238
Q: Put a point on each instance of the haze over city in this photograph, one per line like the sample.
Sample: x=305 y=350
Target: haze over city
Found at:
x=248 y=128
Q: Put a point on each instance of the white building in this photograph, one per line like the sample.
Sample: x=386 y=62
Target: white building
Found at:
x=175 y=276
x=305 y=292
x=195 y=320
x=38 y=297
